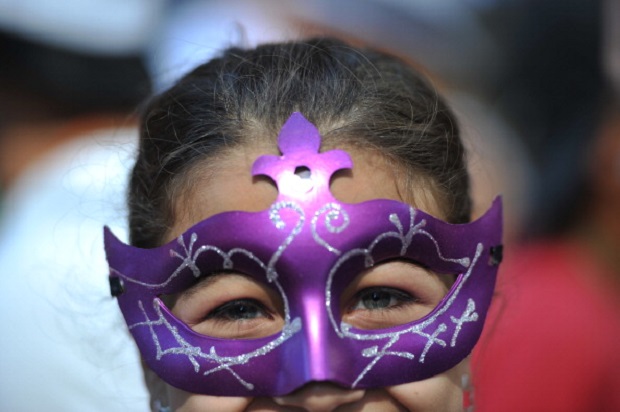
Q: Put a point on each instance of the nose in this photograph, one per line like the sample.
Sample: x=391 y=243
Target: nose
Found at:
x=320 y=397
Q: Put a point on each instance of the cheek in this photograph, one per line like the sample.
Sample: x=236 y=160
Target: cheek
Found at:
x=441 y=393
x=181 y=401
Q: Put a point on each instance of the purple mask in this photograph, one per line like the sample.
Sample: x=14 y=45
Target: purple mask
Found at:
x=308 y=247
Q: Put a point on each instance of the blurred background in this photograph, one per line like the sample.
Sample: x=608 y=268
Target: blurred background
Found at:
x=535 y=84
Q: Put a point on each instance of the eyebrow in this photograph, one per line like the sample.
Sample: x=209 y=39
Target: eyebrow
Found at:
x=205 y=282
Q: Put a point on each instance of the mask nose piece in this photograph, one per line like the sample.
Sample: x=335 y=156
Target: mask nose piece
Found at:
x=316 y=333
x=322 y=357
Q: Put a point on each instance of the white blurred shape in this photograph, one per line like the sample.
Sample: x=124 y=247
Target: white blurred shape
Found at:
x=196 y=31
x=64 y=345
x=107 y=27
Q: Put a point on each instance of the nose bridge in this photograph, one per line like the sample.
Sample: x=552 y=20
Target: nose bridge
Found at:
x=320 y=397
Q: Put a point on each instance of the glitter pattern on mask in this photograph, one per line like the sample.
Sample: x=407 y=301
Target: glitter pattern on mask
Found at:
x=189 y=261
x=315 y=238
x=470 y=315
x=276 y=219
x=290 y=328
x=334 y=211
x=193 y=352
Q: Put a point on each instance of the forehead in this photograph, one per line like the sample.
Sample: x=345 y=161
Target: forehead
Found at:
x=226 y=184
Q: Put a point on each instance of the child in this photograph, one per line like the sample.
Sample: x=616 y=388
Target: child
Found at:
x=300 y=239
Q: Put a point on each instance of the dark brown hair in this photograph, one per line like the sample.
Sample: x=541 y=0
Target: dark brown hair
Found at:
x=355 y=97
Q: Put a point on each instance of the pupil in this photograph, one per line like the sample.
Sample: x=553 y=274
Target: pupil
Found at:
x=245 y=311
x=377 y=300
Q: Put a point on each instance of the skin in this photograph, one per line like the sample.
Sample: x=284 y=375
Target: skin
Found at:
x=228 y=187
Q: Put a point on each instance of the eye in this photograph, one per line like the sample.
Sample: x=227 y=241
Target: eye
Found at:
x=381 y=298
x=241 y=309
x=392 y=293
x=230 y=306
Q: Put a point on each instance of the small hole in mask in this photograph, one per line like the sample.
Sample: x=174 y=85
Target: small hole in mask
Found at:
x=303 y=172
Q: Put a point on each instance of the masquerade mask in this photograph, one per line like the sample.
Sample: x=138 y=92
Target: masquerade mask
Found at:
x=308 y=247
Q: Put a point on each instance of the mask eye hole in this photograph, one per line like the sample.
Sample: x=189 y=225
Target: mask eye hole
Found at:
x=229 y=305
x=392 y=293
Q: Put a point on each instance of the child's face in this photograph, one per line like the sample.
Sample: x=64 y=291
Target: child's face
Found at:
x=232 y=306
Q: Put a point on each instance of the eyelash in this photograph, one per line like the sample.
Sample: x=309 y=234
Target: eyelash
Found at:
x=402 y=298
x=224 y=313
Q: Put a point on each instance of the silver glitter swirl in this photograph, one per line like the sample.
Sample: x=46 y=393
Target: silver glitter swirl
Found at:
x=405 y=238
x=376 y=353
x=189 y=261
x=276 y=219
x=194 y=352
x=332 y=212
